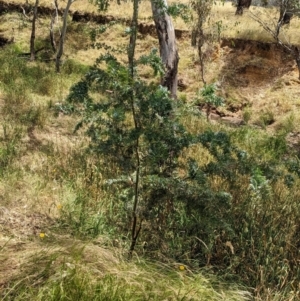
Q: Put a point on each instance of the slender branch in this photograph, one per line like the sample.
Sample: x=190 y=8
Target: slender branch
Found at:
x=24 y=12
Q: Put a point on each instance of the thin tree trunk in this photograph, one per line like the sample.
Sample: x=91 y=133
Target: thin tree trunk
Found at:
x=32 y=38
x=52 y=39
x=62 y=36
x=131 y=53
x=54 y=18
x=167 y=44
x=200 y=54
x=133 y=35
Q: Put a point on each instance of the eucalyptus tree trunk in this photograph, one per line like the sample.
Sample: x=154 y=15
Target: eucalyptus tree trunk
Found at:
x=167 y=44
x=32 y=38
x=60 y=50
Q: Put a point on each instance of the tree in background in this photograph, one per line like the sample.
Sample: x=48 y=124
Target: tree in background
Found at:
x=60 y=49
x=167 y=44
x=202 y=9
x=167 y=41
x=54 y=18
x=32 y=37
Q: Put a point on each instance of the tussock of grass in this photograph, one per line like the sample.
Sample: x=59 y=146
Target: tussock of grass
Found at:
x=77 y=271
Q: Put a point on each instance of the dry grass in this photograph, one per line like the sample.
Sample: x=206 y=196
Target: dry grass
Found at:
x=245 y=27
x=279 y=95
x=233 y=26
x=45 y=263
x=124 y=10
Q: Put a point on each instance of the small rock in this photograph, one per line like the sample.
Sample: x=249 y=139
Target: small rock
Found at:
x=181 y=85
x=214 y=116
x=234 y=121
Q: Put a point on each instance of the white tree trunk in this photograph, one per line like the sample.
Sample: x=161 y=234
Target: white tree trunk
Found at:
x=167 y=44
x=60 y=50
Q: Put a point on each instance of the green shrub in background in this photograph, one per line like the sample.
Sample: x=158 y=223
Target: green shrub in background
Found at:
x=207 y=97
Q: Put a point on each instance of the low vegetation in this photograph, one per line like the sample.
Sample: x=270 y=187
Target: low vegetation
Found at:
x=106 y=197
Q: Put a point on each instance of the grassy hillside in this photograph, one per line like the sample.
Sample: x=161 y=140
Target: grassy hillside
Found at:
x=65 y=234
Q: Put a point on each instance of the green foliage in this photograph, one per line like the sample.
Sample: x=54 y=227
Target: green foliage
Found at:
x=180 y=10
x=259 y=185
x=111 y=129
x=231 y=205
x=207 y=96
x=84 y=218
x=294 y=166
x=101 y=29
x=101 y=4
x=228 y=158
x=133 y=118
x=263 y=197
x=154 y=61
x=186 y=215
